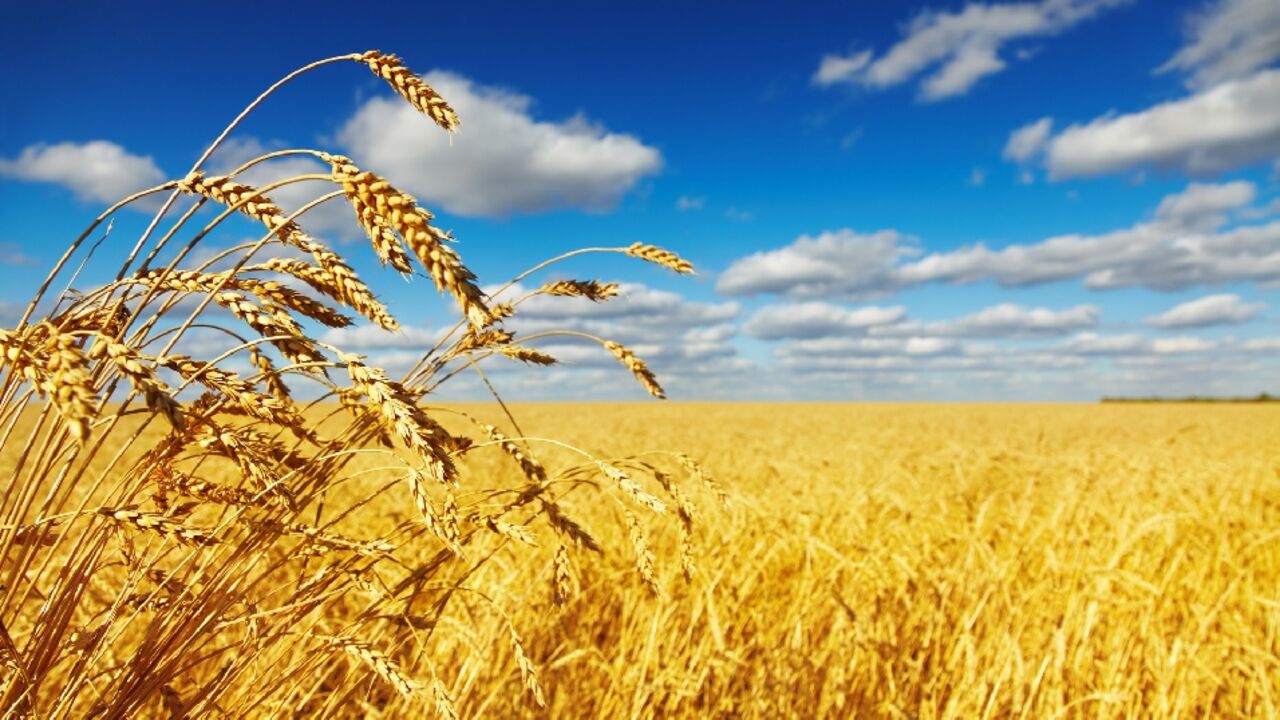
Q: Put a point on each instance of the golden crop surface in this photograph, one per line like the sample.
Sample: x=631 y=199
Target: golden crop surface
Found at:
x=939 y=561
x=899 y=561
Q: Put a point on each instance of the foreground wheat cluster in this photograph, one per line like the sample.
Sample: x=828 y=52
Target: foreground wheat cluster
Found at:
x=186 y=536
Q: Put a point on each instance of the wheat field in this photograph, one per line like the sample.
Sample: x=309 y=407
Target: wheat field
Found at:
x=274 y=526
x=926 y=561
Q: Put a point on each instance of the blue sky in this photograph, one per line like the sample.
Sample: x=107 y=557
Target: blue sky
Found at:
x=1038 y=200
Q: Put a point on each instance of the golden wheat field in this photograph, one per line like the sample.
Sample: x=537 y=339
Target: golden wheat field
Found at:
x=879 y=561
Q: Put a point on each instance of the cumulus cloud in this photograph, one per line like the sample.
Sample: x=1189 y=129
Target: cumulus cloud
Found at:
x=96 y=171
x=1005 y=320
x=956 y=49
x=1181 y=345
x=1205 y=203
x=1089 y=343
x=840 y=262
x=1027 y=141
x=1226 y=309
x=504 y=161
x=1229 y=40
x=372 y=337
x=1188 y=242
x=1230 y=125
x=818 y=319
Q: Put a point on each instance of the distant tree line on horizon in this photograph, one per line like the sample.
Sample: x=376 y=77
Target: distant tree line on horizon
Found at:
x=1261 y=397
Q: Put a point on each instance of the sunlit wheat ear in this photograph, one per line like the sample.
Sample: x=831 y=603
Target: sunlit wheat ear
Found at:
x=343 y=284
x=631 y=487
x=143 y=378
x=159 y=524
x=378 y=204
x=561 y=576
x=644 y=556
x=700 y=473
x=267 y=408
x=292 y=299
x=269 y=320
x=399 y=411
x=657 y=255
x=528 y=671
x=246 y=199
x=570 y=528
x=275 y=324
x=431 y=517
x=383 y=666
x=441 y=701
x=637 y=367
x=107 y=320
x=270 y=376
x=203 y=490
x=347 y=287
x=531 y=468
x=54 y=364
x=592 y=290
x=411 y=87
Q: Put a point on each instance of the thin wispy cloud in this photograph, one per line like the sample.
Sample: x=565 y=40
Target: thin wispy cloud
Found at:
x=954 y=50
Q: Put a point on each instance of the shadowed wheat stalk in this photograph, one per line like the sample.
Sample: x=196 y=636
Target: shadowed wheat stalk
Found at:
x=237 y=557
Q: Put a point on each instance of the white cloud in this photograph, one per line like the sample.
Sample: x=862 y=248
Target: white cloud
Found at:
x=1005 y=320
x=503 y=161
x=1028 y=141
x=957 y=48
x=96 y=171
x=1229 y=40
x=1205 y=203
x=977 y=177
x=371 y=337
x=835 y=69
x=1234 y=124
x=1094 y=344
x=1181 y=345
x=1267 y=344
x=1187 y=243
x=869 y=347
x=1223 y=309
x=840 y=263
x=737 y=215
x=818 y=319
x=689 y=202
